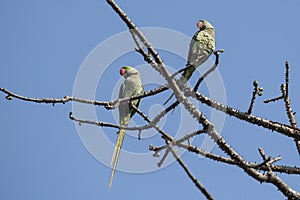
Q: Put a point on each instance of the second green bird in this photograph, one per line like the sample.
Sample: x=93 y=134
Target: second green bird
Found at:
x=202 y=46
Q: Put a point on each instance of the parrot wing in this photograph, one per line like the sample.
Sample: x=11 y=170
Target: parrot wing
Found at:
x=201 y=47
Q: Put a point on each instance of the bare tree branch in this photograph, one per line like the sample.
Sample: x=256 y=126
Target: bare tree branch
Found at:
x=284 y=129
x=285 y=91
x=52 y=101
x=261 y=166
x=288 y=108
x=263 y=171
x=167 y=151
x=273 y=99
x=287 y=101
x=274 y=126
x=109 y=105
x=287 y=78
x=195 y=113
x=191 y=176
x=165 y=135
x=213 y=68
x=255 y=90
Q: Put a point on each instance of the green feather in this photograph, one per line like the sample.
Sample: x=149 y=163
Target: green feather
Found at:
x=131 y=86
x=202 y=46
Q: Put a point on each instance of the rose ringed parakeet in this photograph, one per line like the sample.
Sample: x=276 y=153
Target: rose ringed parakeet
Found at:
x=202 y=46
x=131 y=86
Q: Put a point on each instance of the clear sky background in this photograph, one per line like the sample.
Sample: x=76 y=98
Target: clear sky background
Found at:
x=43 y=44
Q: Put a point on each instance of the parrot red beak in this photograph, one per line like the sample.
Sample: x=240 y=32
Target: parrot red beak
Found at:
x=122 y=71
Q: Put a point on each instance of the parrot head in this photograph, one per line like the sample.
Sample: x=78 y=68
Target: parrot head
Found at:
x=128 y=71
x=203 y=24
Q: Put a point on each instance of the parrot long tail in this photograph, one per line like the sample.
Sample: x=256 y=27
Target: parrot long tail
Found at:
x=116 y=155
x=189 y=69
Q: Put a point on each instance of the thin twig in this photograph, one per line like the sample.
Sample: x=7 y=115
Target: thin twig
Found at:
x=288 y=108
x=106 y=124
x=273 y=99
x=165 y=136
x=156 y=150
x=287 y=102
x=98 y=123
x=285 y=96
x=109 y=105
x=115 y=103
x=213 y=68
x=135 y=39
x=261 y=166
x=287 y=73
x=52 y=101
x=265 y=159
x=191 y=176
x=284 y=129
x=152 y=124
x=167 y=151
x=176 y=142
x=190 y=135
x=254 y=93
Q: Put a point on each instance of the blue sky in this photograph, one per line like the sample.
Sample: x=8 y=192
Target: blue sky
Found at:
x=43 y=45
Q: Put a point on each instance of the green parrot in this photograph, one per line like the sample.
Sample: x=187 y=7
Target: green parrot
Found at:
x=202 y=46
x=131 y=86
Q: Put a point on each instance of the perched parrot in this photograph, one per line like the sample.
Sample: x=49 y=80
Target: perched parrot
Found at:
x=202 y=46
x=131 y=86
